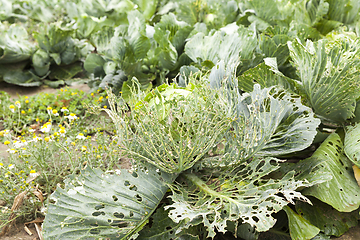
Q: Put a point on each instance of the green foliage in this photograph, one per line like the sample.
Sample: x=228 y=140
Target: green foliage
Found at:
x=119 y=213
x=211 y=92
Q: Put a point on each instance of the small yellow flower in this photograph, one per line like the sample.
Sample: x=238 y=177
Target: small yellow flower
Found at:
x=26 y=97
x=47 y=139
x=23 y=112
x=105 y=106
x=49 y=108
x=92 y=94
x=7 y=142
x=73 y=143
x=26 y=101
x=100 y=98
x=83 y=148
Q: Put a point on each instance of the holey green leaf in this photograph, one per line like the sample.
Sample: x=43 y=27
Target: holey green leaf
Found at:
x=173 y=133
x=275 y=123
x=111 y=205
x=352 y=143
x=240 y=194
x=329 y=77
x=342 y=191
x=271 y=121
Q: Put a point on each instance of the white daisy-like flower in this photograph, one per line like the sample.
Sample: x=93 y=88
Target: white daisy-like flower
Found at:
x=36 y=139
x=46 y=127
x=12 y=150
x=6 y=133
x=55 y=112
x=80 y=136
x=64 y=109
x=18 y=144
x=11 y=166
x=17 y=103
x=12 y=108
x=71 y=117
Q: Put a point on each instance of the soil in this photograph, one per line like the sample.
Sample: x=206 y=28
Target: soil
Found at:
x=18 y=232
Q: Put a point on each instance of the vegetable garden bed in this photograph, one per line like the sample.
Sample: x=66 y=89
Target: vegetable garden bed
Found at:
x=223 y=118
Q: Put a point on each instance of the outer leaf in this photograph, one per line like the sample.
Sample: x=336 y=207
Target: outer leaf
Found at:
x=326 y=218
x=94 y=64
x=25 y=79
x=342 y=191
x=241 y=194
x=329 y=79
x=267 y=75
x=270 y=121
x=275 y=123
x=179 y=30
x=300 y=228
x=352 y=143
x=65 y=72
x=14 y=45
x=104 y=205
x=148 y=7
x=41 y=62
x=229 y=46
x=163 y=228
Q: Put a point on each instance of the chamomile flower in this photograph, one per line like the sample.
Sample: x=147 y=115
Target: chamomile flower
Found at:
x=46 y=127
x=62 y=131
x=12 y=108
x=36 y=138
x=83 y=148
x=55 y=112
x=18 y=144
x=81 y=136
x=33 y=174
x=64 y=109
x=71 y=117
x=12 y=150
x=11 y=166
x=17 y=103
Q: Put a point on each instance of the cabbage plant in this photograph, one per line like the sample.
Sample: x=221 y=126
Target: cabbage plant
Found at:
x=204 y=160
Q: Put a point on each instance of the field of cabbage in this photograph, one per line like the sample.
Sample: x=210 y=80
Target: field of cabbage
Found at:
x=240 y=118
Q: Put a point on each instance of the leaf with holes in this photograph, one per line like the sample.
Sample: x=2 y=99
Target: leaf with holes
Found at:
x=275 y=123
x=240 y=194
x=329 y=77
x=114 y=205
x=267 y=75
x=175 y=129
x=352 y=143
x=161 y=227
x=341 y=192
